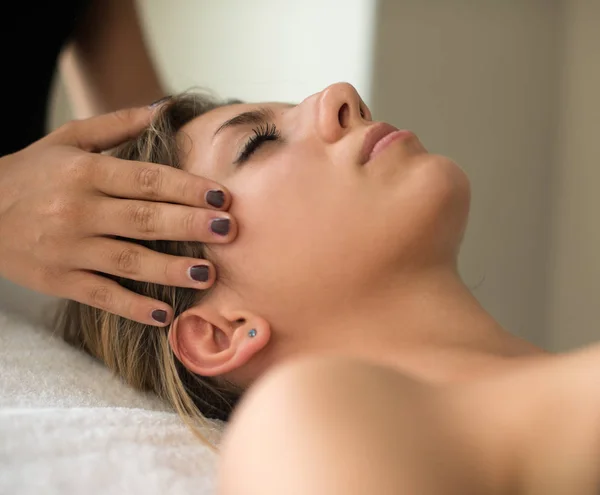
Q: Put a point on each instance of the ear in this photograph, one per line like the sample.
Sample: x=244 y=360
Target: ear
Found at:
x=210 y=343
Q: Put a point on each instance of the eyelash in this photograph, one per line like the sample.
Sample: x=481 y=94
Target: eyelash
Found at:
x=262 y=134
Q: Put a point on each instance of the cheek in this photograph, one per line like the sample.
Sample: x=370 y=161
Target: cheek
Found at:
x=294 y=223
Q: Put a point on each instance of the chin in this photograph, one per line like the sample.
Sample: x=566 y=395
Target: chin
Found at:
x=452 y=179
x=451 y=197
x=437 y=193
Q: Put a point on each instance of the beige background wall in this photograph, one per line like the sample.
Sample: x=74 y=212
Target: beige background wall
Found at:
x=573 y=305
x=507 y=88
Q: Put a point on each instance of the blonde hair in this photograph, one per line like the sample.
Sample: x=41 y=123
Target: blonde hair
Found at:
x=140 y=354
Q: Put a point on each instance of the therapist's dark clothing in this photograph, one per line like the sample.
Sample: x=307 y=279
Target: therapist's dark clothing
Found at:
x=32 y=36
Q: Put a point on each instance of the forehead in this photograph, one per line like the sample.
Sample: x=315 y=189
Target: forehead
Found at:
x=208 y=123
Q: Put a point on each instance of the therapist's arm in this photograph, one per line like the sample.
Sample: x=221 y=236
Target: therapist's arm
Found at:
x=107 y=66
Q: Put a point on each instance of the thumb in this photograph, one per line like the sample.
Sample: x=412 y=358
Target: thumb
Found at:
x=103 y=131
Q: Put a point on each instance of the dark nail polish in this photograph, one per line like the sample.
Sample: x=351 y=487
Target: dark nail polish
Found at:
x=199 y=273
x=159 y=315
x=215 y=198
x=159 y=101
x=220 y=226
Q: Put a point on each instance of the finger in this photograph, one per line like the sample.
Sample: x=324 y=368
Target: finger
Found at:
x=104 y=131
x=105 y=294
x=135 y=262
x=148 y=220
x=151 y=181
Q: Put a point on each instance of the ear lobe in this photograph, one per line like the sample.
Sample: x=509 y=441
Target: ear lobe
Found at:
x=209 y=344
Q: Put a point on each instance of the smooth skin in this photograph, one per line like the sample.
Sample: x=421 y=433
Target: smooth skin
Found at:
x=329 y=425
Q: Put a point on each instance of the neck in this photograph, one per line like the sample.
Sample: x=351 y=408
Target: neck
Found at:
x=428 y=326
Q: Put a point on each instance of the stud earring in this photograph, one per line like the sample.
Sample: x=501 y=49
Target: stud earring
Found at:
x=252 y=333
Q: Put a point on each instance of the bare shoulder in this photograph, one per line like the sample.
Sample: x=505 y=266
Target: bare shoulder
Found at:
x=333 y=424
x=541 y=420
x=318 y=379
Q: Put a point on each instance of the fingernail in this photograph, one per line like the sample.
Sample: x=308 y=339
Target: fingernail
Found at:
x=154 y=104
x=220 y=226
x=215 y=198
x=199 y=273
x=159 y=315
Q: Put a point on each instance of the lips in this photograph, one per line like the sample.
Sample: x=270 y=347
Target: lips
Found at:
x=375 y=134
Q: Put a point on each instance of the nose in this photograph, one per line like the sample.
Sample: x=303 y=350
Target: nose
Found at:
x=340 y=109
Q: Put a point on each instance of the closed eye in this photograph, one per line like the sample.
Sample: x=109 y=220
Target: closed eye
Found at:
x=262 y=134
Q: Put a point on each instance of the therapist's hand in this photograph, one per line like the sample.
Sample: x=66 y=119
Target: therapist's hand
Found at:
x=61 y=200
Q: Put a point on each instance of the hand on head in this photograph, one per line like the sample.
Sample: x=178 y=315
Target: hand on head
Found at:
x=64 y=207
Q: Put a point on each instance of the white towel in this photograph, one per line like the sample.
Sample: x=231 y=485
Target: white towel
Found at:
x=68 y=426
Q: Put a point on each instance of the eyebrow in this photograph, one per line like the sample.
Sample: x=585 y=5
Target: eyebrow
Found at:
x=260 y=116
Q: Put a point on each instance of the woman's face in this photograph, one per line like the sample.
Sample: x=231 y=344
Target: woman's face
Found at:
x=320 y=223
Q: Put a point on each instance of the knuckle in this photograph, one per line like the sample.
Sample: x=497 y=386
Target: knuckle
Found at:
x=167 y=271
x=100 y=297
x=72 y=131
x=149 y=181
x=184 y=190
x=123 y=115
x=45 y=243
x=190 y=223
x=128 y=261
x=167 y=274
x=79 y=167
x=143 y=218
x=68 y=128
x=51 y=249
x=49 y=276
x=63 y=211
